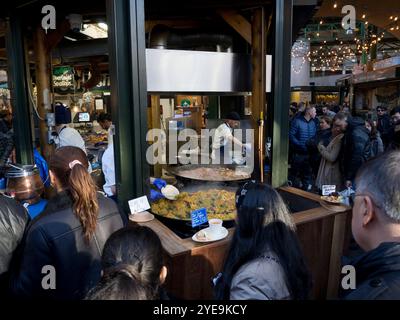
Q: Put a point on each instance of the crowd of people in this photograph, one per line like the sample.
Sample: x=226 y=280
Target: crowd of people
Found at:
x=328 y=145
x=96 y=255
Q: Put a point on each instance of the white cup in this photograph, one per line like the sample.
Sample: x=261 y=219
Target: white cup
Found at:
x=215 y=226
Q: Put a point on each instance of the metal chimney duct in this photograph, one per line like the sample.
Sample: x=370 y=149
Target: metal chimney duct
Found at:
x=163 y=37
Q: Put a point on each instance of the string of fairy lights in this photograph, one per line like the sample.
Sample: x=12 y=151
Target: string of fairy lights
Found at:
x=334 y=57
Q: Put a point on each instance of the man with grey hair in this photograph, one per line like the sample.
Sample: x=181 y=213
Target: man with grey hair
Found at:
x=376 y=229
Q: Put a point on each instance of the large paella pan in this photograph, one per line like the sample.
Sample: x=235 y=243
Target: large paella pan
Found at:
x=214 y=173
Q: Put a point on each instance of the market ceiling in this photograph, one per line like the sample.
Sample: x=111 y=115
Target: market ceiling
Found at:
x=375 y=12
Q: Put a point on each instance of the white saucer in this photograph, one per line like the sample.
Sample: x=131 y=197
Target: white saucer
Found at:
x=170 y=192
x=211 y=237
x=144 y=216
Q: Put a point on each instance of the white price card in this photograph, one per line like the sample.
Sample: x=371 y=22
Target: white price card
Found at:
x=328 y=189
x=139 y=205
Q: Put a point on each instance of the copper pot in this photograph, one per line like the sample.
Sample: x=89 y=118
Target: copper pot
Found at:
x=24 y=183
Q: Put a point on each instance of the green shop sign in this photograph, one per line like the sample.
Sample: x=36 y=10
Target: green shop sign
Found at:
x=63 y=77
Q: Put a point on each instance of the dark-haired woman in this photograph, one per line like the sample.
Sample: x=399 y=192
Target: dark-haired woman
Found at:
x=62 y=247
x=264 y=261
x=133 y=268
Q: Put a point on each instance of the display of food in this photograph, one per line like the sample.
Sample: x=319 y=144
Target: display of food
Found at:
x=220 y=204
x=215 y=174
x=333 y=198
x=95 y=138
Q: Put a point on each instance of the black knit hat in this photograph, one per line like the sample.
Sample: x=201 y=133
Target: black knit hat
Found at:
x=233 y=116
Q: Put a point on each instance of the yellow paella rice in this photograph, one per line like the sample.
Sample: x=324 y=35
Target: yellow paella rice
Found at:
x=219 y=204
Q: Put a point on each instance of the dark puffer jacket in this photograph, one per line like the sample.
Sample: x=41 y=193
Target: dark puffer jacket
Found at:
x=377 y=274
x=300 y=132
x=356 y=148
x=55 y=238
x=13 y=219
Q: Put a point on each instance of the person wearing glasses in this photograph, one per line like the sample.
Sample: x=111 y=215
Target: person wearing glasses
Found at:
x=376 y=229
x=383 y=124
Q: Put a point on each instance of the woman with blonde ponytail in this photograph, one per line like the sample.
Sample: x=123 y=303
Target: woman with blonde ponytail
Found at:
x=69 y=235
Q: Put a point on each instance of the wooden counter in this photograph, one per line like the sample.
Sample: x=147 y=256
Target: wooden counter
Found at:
x=323 y=232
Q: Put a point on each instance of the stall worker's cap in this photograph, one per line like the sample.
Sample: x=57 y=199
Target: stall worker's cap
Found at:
x=62 y=114
x=233 y=116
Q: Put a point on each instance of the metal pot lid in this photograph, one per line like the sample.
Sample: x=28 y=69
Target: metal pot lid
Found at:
x=21 y=171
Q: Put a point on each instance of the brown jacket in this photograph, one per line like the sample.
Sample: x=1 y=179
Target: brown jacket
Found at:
x=329 y=171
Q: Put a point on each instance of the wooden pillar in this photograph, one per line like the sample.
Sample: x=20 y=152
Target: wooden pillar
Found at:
x=43 y=75
x=155 y=124
x=258 y=84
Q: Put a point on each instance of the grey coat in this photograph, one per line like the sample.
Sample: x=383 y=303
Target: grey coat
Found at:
x=13 y=219
x=329 y=167
x=260 y=279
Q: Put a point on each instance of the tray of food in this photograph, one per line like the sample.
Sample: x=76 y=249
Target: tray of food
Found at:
x=333 y=198
x=220 y=204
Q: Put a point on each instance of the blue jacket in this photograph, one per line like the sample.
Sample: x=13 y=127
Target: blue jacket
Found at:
x=43 y=168
x=300 y=132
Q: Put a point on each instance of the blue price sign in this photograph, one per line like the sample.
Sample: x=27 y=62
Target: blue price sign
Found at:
x=199 y=217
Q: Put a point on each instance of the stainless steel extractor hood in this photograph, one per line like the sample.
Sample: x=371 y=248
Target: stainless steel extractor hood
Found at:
x=182 y=71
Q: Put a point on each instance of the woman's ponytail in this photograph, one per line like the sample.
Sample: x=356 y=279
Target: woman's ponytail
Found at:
x=70 y=166
x=84 y=195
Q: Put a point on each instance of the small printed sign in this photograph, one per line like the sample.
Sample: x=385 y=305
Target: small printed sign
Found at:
x=328 y=189
x=199 y=217
x=139 y=205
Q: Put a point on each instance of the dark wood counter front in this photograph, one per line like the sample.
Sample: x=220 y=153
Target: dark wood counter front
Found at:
x=323 y=232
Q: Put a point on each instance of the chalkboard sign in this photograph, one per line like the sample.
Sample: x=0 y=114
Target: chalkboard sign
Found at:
x=199 y=217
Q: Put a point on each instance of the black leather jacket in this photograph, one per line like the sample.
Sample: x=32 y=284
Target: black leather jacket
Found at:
x=13 y=219
x=356 y=148
x=377 y=274
x=55 y=238
x=384 y=126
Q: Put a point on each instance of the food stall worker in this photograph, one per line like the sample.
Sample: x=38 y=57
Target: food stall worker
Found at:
x=224 y=134
x=65 y=135
x=108 y=168
x=105 y=122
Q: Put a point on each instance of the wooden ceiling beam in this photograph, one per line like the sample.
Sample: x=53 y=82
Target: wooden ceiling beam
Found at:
x=54 y=37
x=237 y=22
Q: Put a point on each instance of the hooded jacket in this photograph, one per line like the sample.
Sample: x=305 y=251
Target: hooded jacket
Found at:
x=377 y=274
